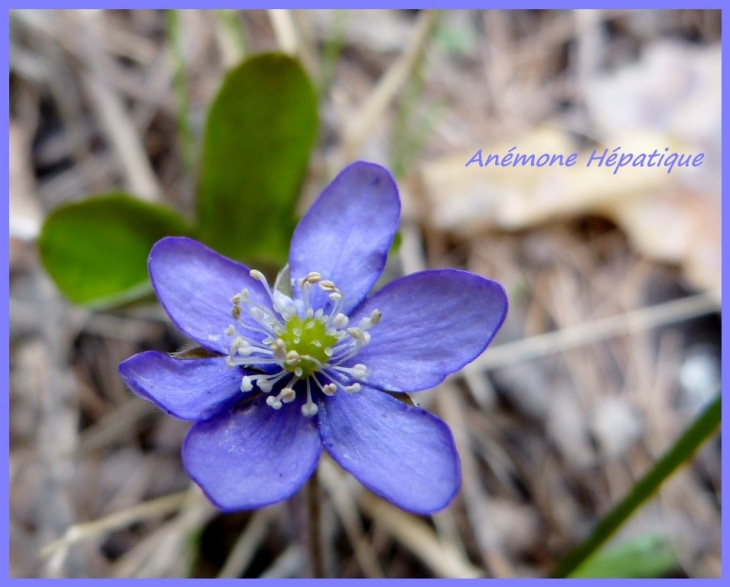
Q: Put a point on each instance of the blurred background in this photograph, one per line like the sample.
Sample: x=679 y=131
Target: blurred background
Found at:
x=610 y=349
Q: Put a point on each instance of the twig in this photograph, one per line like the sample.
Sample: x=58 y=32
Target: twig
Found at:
x=315 y=527
x=114 y=425
x=285 y=30
x=596 y=331
x=417 y=537
x=153 y=555
x=287 y=564
x=245 y=547
x=116 y=521
x=346 y=509
x=113 y=116
x=388 y=86
x=475 y=498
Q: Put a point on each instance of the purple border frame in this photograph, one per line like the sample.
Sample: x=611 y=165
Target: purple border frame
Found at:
x=4 y=293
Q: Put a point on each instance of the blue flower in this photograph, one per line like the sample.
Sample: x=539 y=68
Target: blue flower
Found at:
x=305 y=364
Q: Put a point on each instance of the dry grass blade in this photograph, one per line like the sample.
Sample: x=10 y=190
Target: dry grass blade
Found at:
x=346 y=509
x=285 y=29
x=138 y=513
x=245 y=547
x=114 y=118
x=475 y=498
x=414 y=534
x=598 y=330
x=388 y=86
x=164 y=553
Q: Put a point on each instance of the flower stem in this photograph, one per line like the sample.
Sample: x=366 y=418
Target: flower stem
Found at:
x=700 y=430
x=315 y=527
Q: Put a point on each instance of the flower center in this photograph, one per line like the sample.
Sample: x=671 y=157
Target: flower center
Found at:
x=301 y=344
x=309 y=339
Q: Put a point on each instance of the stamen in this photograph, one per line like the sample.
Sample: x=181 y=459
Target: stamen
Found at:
x=304 y=342
x=287 y=395
x=328 y=389
x=313 y=277
x=273 y=402
x=309 y=409
x=340 y=321
x=367 y=323
x=257 y=275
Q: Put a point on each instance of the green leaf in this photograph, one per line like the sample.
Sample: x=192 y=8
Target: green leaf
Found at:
x=96 y=250
x=649 y=555
x=260 y=130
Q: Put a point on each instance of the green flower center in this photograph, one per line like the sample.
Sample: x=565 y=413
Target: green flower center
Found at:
x=309 y=339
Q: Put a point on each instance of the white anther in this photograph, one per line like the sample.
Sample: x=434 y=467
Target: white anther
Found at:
x=278 y=349
x=354 y=388
x=329 y=389
x=309 y=410
x=236 y=299
x=273 y=402
x=313 y=277
x=367 y=323
x=328 y=351
x=356 y=333
x=236 y=312
x=245 y=295
x=246 y=384
x=293 y=357
x=298 y=372
x=265 y=385
x=365 y=337
x=257 y=275
x=375 y=317
x=359 y=371
x=327 y=285
x=340 y=321
x=284 y=304
x=245 y=351
x=335 y=297
x=316 y=342
x=287 y=395
x=231 y=330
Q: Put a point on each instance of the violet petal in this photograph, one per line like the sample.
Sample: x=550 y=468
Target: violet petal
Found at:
x=195 y=286
x=191 y=389
x=433 y=323
x=400 y=452
x=346 y=234
x=252 y=455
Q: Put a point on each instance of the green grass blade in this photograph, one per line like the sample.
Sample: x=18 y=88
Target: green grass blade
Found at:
x=700 y=430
